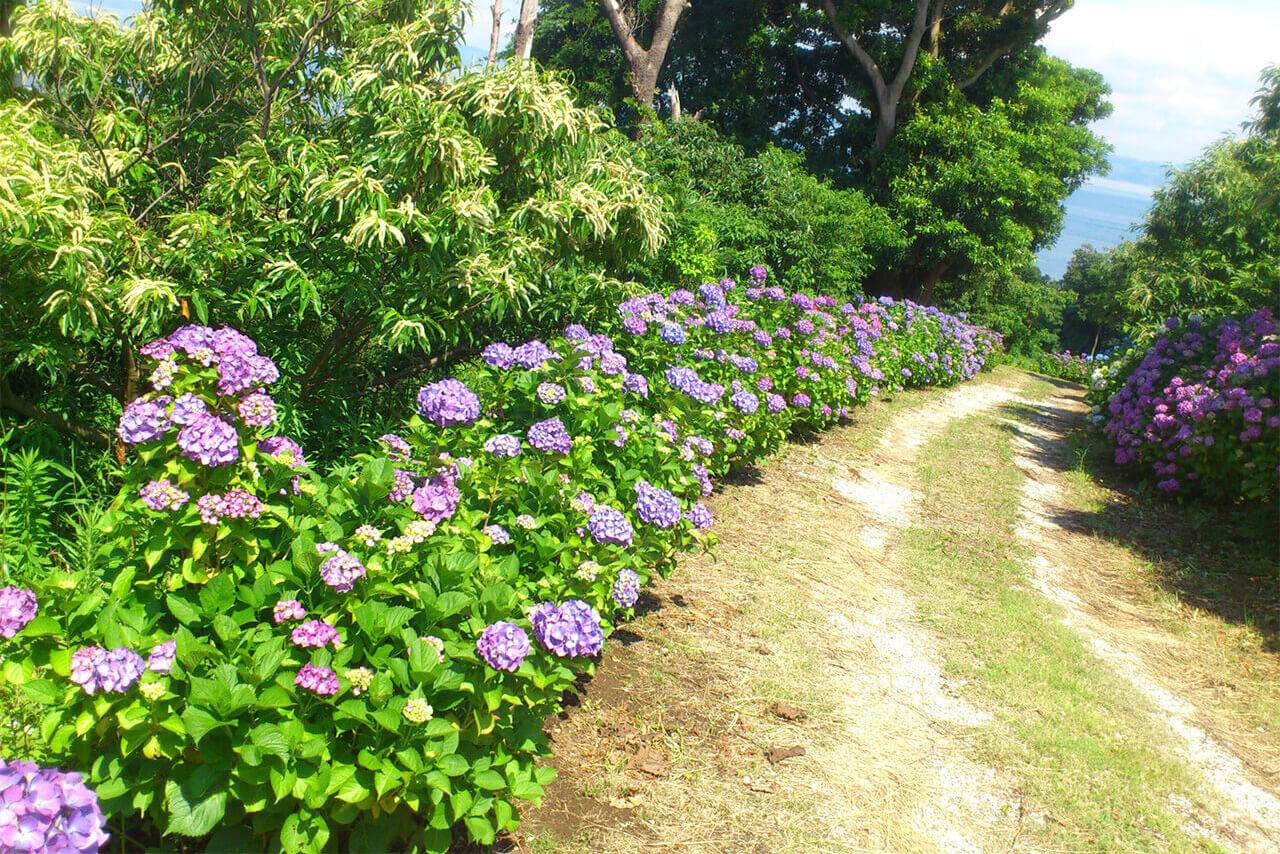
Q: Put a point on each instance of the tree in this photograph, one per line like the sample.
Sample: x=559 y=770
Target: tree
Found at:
x=396 y=211
x=644 y=64
x=495 y=32
x=522 y=45
x=1098 y=314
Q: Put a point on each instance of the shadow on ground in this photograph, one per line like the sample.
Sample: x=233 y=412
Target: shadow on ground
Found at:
x=1221 y=557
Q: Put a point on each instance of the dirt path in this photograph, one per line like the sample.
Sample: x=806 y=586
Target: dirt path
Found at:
x=788 y=696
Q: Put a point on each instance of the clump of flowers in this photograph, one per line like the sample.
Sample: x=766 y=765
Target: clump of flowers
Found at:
x=94 y=668
x=626 y=588
x=448 y=403
x=437 y=499
x=45 y=810
x=417 y=711
x=317 y=678
x=497 y=534
x=503 y=646
x=314 y=633
x=550 y=436
x=569 y=630
x=551 y=393
x=17 y=608
x=163 y=494
x=234 y=504
x=162 y=657
x=610 y=526
x=360 y=678
x=341 y=570
x=257 y=410
x=656 y=506
x=287 y=609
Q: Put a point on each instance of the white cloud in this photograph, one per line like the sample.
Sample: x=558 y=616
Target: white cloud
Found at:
x=1182 y=71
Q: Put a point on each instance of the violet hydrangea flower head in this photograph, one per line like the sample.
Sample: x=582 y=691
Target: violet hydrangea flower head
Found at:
x=503 y=646
x=532 y=355
x=801 y=400
x=187 y=408
x=317 y=678
x=94 y=668
x=613 y=364
x=626 y=588
x=700 y=516
x=437 y=499
x=503 y=445
x=635 y=325
x=656 y=506
x=143 y=421
x=758 y=274
x=775 y=403
x=636 y=384
x=551 y=393
x=402 y=486
x=497 y=534
x=341 y=569
x=43 y=810
x=570 y=630
x=17 y=608
x=610 y=526
x=162 y=657
x=499 y=355
x=283 y=450
x=287 y=609
x=257 y=410
x=550 y=436
x=576 y=332
x=745 y=402
x=210 y=441
x=448 y=403
x=398 y=450
x=314 y=633
x=162 y=495
x=672 y=333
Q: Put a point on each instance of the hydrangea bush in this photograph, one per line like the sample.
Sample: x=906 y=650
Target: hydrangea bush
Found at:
x=1196 y=411
x=1073 y=367
x=363 y=658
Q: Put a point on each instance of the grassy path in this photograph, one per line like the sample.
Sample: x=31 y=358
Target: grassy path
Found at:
x=877 y=659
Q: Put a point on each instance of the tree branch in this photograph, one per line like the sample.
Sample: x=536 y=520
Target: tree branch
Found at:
x=24 y=407
x=1051 y=14
x=864 y=59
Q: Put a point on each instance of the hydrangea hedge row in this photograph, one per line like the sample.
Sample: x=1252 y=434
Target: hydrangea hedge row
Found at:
x=1073 y=367
x=364 y=658
x=1196 y=411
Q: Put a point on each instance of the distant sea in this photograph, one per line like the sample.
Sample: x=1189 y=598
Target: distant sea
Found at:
x=1104 y=211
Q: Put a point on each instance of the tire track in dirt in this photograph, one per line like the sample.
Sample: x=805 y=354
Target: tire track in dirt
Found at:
x=1061 y=571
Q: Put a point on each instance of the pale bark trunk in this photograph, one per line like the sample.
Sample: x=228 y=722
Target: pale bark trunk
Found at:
x=523 y=45
x=495 y=33
x=644 y=64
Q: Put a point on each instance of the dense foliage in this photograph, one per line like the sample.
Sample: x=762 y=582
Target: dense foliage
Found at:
x=1075 y=367
x=1195 y=411
x=279 y=656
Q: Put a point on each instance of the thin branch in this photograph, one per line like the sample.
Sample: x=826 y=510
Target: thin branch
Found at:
x=1050 y=15
x=71 y=428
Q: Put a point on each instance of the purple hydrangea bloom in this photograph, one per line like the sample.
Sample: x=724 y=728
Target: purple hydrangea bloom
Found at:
x=626 y=589
x=635 y=325
x=503 y=445
x=398 y=450
x=569 y=630
x=257 y=410
x=745 y=402
x=210 y=441
x=711 y=294
x=672 y=333
x=636 y=384
x=317 y=678
x=187 y=408
x=437 y=499
x=94 y=668
x=44 y=810
x=801 y=400
x=721 y=322
x=551 y=393
x=162 y=656
x=656 y=506
x=503 y=646
x=17 y=608
x=499 y=356
x=700 y=516
x=613 y=364
x=701 y=475
x=287 y=609
x=610 y=526
x=497 y=534
x=314 y=633
x=550 y=436
x=533 y=354
x=284 y=450
x=775 y=403
x=758 y=273
x=341 y=570
x=143 y=421
x=162 y=495
x=682 y=378
x=448 y=403
x=403 y=486
x=576 y=332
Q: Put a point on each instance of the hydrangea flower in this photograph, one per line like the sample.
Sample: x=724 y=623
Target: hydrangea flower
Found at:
x=314 y=633
x=417 y=711
x=317 y=678
x=576 y=332
x=162 y=495
x=587 y=570
x=162 y=657
x=360 y=678
x=503 y=646
x=499 y=356
x=775 y=403
x=398 y=450
x=210 y=441
x=94 y=668
x=550 y=436
x=636 y=384
x=437 y=644
x=745 y=402
x=287 y=609
x=656 y=506
x=672 y=333
x=700 y=516
x=533 y=355
x=503 y=445
x=801 y=400
x=448 y=403
x=437 y=499
x=17 y=608
x=341 y=570
x=257 y=410
x=367 y=535
x=524 y=520
x=283 y=450
x=610 y=526
x=570 y=630
x=402 y=487
x=234 y=504
x=45 y=810
x=613 y=364
x=626 y=589
x=143 y=421
x=497 y=534
x=187 y=408
x=635 y=325
x=162 y=377
x=551 y=393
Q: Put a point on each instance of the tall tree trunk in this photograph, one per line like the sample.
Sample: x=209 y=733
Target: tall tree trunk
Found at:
x=644 y=64
x=888 y=93
x=523 y=45
x=673 y=95
x=495 y=33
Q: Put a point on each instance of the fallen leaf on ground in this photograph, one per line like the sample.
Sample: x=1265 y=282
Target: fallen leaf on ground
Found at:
x=650 y=762
x=787 y=712
x=780 y=753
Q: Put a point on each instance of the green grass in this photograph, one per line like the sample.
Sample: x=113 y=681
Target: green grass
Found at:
x=1081 y=741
